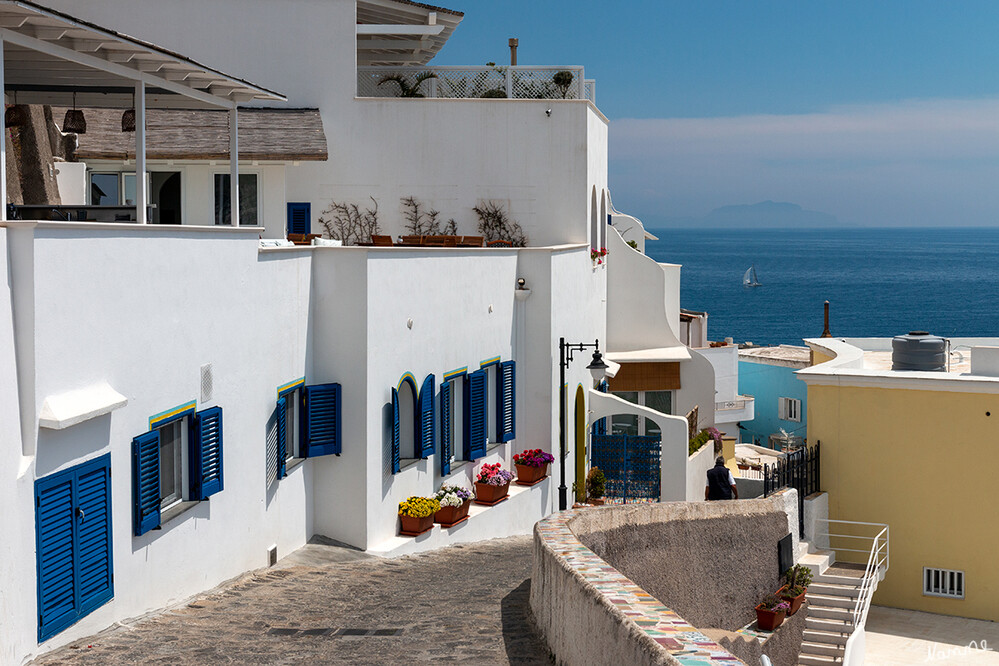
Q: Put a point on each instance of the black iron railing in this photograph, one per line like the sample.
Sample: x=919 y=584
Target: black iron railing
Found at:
x=799 y=470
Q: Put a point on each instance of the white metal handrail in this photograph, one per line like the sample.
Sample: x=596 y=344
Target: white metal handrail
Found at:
x=451 y=82
x=878 y=561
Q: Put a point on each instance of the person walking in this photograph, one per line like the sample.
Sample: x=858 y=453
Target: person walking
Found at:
x=721 y=483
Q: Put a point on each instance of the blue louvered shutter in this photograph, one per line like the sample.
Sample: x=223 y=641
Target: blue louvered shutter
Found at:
x=93 y=501
x=428 y=430
x=396 y=431
x=206 y=453
x=321 y=420
x=506 y=401
x=282 y=435
x=446 y=428
x=146 y=482
x=55 y=535
x=475 y=415
x=299 y=217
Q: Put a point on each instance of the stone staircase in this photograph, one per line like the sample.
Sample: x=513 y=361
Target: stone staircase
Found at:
x=831 y=598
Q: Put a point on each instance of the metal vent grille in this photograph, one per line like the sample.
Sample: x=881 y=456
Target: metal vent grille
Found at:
x=207 y=382
x=943 y=583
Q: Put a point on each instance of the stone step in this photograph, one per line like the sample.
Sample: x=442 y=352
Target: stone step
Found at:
x=818 y=561
x=822 y=649
x=833 y=590
x=833 y=612
x=829 y=601
x=818 y=660
x=834 y=625
x=838 y=580
x=827 y=637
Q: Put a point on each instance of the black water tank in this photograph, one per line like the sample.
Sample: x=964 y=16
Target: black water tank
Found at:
x=919 y=351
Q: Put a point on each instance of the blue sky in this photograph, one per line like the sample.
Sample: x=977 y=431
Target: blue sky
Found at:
x=880 y=112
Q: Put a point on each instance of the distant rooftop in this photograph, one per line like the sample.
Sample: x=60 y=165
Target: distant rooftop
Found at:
x=785 y=355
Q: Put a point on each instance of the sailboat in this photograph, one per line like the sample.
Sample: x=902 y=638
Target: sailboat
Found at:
x=750 y=279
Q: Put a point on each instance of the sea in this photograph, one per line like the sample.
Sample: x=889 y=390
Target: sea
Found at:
x=880 y=282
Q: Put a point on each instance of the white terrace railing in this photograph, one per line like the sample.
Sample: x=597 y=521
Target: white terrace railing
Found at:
x=856 y=535
x=518 y=82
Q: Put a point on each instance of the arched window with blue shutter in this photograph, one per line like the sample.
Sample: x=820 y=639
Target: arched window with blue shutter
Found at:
x=447 y=437
x=395 y=432
x=206 y=453
x=475 y=415
x=321 y=428
x=506 y=401
x=428 y=431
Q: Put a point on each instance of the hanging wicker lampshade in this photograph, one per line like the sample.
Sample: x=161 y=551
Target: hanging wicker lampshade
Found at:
x=128 y=120
x=74 y=121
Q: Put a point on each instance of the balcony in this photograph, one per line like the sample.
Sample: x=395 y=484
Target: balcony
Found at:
x=515 y=82
x=741 y=409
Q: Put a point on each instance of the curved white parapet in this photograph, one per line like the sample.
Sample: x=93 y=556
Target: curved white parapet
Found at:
x=844 y=354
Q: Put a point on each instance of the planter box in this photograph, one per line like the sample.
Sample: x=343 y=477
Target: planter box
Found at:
x=596 y=501
x=415 y=526
x=794 y=601
x=449 y=516
x=768 y=620
x=528 y=476
x=488 y=495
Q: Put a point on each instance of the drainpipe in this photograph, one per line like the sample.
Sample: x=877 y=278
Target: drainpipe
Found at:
x=513 y=51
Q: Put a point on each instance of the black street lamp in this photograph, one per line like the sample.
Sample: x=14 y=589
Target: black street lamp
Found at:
x=598 y=369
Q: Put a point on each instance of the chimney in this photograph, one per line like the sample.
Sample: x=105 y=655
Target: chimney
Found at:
x=825 y=331
x=513 y=51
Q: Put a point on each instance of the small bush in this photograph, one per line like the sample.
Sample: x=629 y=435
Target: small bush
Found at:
x=595 y=481
x=495 y=224
x=348 y=223
x=421 y=222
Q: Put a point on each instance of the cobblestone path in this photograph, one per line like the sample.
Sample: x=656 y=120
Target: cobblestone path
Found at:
x=463 y=604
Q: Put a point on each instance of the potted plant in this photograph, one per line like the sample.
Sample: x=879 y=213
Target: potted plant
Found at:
x=595 y=481
x=532 y=466
x=770 y=612
x=454 y=502
x=597 y=256
x=796 y=582
x=492 y=484
x=417 y=515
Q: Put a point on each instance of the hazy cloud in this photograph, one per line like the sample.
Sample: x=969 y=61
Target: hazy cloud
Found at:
x=914 y=162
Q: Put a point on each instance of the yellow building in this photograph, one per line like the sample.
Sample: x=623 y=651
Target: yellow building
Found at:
x=916 y=450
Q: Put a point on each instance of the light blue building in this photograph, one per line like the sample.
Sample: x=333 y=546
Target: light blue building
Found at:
x=767 y=373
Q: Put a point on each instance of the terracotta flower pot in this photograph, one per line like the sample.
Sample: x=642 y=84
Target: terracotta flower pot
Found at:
x=794 y=601
x=768 y=620
x=596 y=501
x=450 y=515
x=528 y=476
x=412 y=526
x=487 y=494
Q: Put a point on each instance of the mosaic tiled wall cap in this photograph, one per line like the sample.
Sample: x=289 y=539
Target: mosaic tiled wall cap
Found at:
x=685 y=643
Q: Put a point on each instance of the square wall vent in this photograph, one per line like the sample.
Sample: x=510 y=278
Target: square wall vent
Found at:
x=207 y=383
x=943 y=583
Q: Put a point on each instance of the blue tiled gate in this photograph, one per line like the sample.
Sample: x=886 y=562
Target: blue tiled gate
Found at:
x=631 y=464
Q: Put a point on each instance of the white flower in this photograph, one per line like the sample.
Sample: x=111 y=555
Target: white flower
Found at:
x=450 y=499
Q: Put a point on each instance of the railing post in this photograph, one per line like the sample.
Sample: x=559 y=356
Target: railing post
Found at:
x=509 y=82
x=580 y=85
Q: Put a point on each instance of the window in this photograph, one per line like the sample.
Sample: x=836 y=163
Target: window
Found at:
x=248 y=199
x=307 y=423
x=493 y=389
x=117 y=188
x=73 y=544
x=104 y=189
x=632 y=424
x=789 y=409
x=405 y=424
x=179 y=459
x=943 y=583
x=452 y=395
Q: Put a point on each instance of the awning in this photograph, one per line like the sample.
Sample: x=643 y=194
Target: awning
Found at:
x=401 y=32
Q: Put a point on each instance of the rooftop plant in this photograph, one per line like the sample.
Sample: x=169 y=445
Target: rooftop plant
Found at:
x=419 y=507
x=421 y=221
x=595 y=481
x=562 y=81
x=348 y=223
x=407 y=89
x=495 y=224
x=533 y=458
x=493 y=475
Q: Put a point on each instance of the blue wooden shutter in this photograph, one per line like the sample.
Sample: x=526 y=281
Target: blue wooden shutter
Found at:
x=282 y=434
x=506 y=401
x=446 y=428
x=475 y=415
x=395 y=431
x=55 y=533
x=93 y=501
x=299 y=218
x=428 y=431
x=206 y=453
x=321 y=420
x=146 y=482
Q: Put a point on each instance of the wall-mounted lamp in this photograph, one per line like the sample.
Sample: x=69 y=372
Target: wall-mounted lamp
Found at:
x=521 y=283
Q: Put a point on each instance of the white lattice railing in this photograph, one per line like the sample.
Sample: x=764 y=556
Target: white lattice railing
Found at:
x=519 y=82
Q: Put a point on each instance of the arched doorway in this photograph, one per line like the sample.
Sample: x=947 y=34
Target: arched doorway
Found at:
x=580 y=414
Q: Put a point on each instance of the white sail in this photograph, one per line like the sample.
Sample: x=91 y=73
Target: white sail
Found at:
x=750 y=279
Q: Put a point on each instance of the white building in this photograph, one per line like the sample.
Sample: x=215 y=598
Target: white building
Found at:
x=185 y=403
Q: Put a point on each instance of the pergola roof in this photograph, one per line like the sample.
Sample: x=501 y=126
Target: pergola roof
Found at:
x=401 y=32
x=49 y=55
